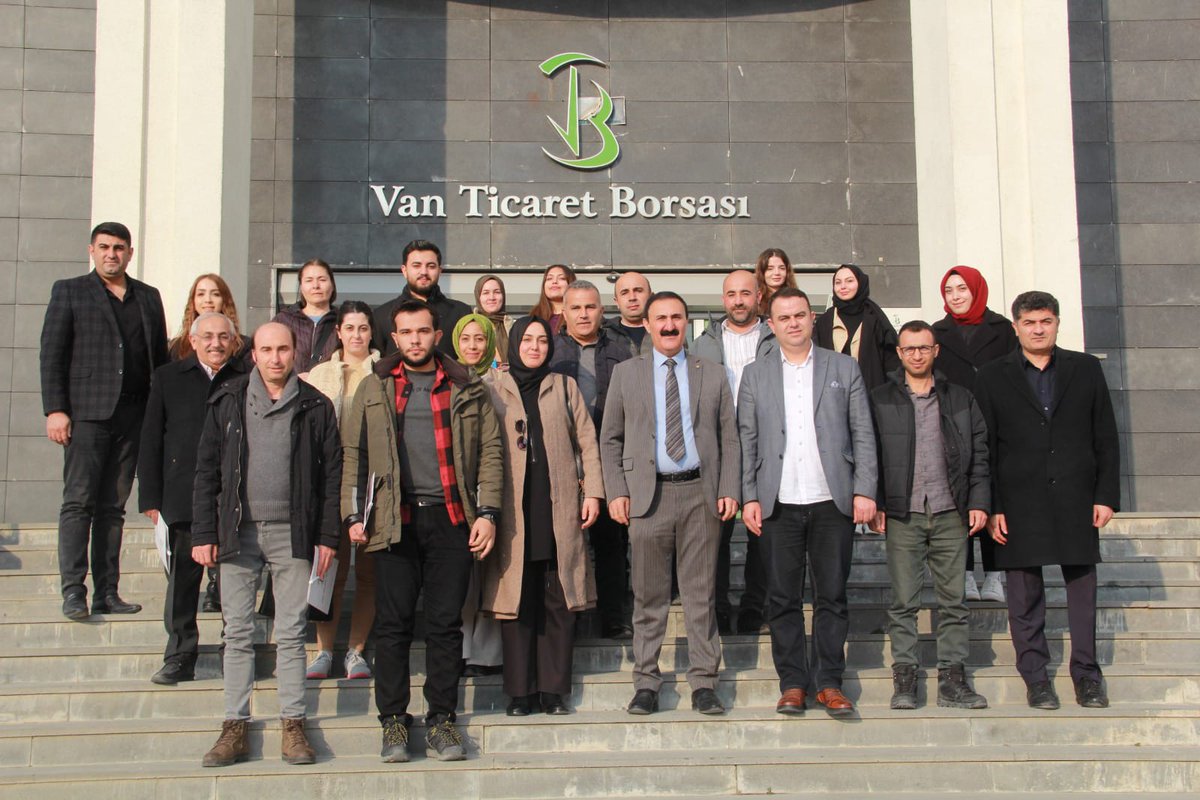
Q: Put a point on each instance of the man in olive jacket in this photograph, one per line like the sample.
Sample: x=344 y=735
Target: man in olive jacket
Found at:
x=423 y=428
x=933 y=494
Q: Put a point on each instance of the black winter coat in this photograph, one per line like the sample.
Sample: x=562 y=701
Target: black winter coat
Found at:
x=964 y=441
x=959 y=359
x=81 y=355
x=316 y=472
x=1047 y=473
x=449 y=311
x=611 y=349
x=314 y=343
x=877 y=349
x=175 y=415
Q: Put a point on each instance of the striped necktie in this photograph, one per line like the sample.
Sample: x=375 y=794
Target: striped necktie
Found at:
x=676 y=449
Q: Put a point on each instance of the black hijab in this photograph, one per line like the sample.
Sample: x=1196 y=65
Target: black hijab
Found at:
x=854 y=306
x=528 y=379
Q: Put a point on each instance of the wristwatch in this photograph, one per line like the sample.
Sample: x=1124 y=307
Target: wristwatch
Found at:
x=490 y=514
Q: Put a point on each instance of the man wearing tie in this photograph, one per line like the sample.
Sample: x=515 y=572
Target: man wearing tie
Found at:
x=673 y=495
x=809 y=475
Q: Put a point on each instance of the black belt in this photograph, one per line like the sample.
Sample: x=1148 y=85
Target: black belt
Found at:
x=678 y=477
x=425 y=502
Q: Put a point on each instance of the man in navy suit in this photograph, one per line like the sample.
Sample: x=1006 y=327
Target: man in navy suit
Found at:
x=103 y=336
x=809 y=473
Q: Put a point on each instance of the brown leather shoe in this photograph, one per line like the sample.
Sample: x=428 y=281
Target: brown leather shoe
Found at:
x=231 y=746
x=295 y=748
x=792 y=702
x=836 y=704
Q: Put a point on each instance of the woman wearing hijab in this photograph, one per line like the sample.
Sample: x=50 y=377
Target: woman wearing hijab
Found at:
x=475 y=349
x=540 y=575
x=971 y=335
x=491 y=300
x=857 y=326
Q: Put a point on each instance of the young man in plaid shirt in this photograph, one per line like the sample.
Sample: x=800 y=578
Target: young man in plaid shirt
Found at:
x=424 y=426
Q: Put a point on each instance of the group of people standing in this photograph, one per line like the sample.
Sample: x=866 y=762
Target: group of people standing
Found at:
x=501 y=471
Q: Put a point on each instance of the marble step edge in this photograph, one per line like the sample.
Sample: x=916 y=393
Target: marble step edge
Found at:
x=1033 y=756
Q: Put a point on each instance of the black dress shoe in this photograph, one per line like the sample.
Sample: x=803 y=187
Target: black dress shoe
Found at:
x=113 y=604
x=553 y=704
x=618 y=630
x=75 y=606
x=522 y=706
x=645 y=701
x=480 y=670
x=173 y=672
x=1090 y=693
x=750 y=622
x=706 y=702
x=1041 y=695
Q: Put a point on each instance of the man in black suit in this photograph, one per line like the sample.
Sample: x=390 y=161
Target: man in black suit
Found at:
x=103 y=336
x=422 y=270
x=1055 y=465
x=167 y=467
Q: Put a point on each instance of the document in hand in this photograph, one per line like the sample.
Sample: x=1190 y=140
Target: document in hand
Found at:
x=162 y=541
x=320 y=590
x=369 y=502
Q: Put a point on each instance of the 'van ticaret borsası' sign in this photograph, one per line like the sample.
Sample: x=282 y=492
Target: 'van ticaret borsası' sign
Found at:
x=485 y=200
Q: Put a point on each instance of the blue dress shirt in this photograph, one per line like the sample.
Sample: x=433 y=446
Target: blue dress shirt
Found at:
x=663 y=462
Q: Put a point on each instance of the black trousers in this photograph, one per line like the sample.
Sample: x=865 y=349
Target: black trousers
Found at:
x=183 y=597
x=986 y=547
x=538 y=644
x=795 y=537
x=432 y=557
x=754 y=595
x=1027 y=621
x=610 y=547
x=98 y=468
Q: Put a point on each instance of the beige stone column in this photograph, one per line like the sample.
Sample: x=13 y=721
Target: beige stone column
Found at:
x=994 y=148
x=172 y=138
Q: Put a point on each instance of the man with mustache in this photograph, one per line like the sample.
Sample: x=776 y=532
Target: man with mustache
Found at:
x=670 y=455
x=735 y=341
x=167 y=467
x=425 y=427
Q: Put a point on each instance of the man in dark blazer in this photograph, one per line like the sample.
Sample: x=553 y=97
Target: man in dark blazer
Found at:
x=103 y=336
x=809 y=474
x=669 y=449
x=167 y=468
x=1055 y=465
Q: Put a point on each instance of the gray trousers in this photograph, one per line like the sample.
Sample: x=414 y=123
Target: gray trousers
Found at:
x=939 y=540
x=678 y=529
x=265 y=544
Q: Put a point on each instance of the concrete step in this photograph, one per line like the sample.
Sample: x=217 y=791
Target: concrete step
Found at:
x=689 y=772
x=751 y=688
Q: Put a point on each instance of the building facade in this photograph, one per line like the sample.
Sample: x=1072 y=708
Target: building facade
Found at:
x=1051 y=144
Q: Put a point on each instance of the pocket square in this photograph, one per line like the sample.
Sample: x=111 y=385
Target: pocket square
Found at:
x=834 y=385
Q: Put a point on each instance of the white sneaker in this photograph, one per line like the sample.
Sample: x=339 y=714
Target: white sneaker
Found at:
x=993 y=589
x=356 y=666
x=972 y=590
x=320 y=667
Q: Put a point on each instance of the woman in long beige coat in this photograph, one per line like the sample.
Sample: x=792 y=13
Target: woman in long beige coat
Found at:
x=540 y=575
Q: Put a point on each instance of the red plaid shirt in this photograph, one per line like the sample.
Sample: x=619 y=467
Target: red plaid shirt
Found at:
x=439 y=399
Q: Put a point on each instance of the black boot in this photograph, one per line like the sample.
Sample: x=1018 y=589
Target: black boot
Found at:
x=955 y=692
x=904 y=686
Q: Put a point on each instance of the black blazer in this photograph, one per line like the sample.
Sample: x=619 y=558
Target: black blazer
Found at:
x=171 y=433
x=877 y=356
x=1047 y=473
x=959 y=359
x=81 y=356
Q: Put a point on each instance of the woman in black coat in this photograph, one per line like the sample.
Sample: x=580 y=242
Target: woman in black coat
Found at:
x=969 y=336
x=857 y=326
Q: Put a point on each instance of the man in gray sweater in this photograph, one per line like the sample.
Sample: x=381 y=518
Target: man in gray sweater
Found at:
x=268 y=476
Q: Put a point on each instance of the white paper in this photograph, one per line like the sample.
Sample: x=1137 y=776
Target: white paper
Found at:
x=162 y=541
x=320 y=590
x=369 y=503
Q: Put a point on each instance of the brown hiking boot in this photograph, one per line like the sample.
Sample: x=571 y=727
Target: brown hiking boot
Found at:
x=231 y=746
x=295 y=748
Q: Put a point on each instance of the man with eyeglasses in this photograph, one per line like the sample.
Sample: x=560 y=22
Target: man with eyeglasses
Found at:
x=174 y=418
x=933 y=494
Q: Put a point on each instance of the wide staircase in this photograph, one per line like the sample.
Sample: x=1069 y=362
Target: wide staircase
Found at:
x=79 y=717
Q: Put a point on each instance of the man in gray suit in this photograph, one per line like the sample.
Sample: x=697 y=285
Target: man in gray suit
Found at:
x=808 y=476
x=669 y=449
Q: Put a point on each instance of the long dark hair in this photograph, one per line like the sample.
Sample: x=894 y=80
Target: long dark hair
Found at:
x=544 y=308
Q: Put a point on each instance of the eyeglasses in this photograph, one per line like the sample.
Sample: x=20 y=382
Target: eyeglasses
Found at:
x=522 y=442
x=923 y=349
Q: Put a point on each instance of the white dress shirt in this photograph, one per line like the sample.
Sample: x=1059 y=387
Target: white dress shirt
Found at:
x=803 y=478
x=740 y=350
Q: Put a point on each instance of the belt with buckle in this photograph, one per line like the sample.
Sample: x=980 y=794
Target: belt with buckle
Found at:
x=678 y=477
x=425 y=502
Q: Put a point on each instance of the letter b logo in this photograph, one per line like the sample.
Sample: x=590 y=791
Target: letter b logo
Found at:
x=599 y=119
